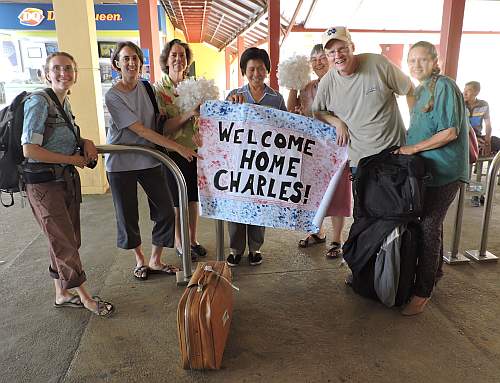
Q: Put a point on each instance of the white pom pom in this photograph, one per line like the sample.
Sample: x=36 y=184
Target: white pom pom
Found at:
x=293 y=73
x=195 y=91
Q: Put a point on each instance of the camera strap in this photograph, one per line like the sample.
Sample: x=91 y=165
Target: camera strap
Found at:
x=75 y=129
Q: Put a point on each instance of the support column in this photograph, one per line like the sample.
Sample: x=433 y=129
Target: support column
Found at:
x=149 y=36
x=273 y=22
x=227 y=52
x=451 y=35
x=240 y=43
x=77 y=36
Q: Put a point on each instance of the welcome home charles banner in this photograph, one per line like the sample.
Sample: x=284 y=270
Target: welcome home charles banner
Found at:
x=266 y=167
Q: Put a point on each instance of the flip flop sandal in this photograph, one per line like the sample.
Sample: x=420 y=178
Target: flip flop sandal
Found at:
x=104 y=309
x=167 y=269
x=141 y=272
x=74 y=302
x=199 y=250
x=335 y=251
x=311 y=239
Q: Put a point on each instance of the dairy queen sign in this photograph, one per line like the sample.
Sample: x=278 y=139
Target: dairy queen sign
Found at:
x=31 y=17
x=41 y=16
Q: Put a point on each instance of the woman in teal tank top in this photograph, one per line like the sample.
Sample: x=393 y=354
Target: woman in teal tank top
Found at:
x=439 y=133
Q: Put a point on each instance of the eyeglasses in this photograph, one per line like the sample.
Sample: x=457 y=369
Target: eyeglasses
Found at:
x=317 y=59
x=342 y=50
x=62 y=68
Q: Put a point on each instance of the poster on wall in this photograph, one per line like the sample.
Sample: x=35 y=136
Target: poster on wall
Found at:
x=10 y=62
x=266 y=167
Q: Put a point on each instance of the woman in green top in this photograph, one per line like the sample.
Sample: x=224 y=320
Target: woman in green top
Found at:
x=174 y=61
x=439 y=133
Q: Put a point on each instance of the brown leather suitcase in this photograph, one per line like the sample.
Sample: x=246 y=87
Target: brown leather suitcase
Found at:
x=204 y=316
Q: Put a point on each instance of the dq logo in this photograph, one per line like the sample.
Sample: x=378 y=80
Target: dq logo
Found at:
x=31 y=17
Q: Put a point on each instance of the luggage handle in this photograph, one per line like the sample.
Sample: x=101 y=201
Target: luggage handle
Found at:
x=379 y=156
x=209 y=268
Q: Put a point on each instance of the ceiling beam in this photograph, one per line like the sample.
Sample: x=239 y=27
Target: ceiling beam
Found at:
x=218 y=25
x=300 y=28
x=311 y=8
x=183 y=21
x=234 y=12
x=240 y=6
x=203 y=20
x=292 y=21
x=248 y=26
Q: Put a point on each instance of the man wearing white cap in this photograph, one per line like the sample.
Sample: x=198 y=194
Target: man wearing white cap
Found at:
x=357 y=96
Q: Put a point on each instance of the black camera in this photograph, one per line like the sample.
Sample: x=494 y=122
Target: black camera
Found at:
x=91 y=164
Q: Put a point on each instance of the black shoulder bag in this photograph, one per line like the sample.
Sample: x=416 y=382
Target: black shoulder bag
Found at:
x=159 y=118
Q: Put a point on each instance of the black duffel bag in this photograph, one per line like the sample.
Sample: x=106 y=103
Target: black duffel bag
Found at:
x=389 y=186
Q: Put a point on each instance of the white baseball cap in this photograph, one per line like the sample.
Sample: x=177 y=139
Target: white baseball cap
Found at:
x=336 y=33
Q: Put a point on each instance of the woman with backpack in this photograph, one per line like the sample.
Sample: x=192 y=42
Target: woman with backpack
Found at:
x=439 y=133
x=133 y=122
x=53 y=147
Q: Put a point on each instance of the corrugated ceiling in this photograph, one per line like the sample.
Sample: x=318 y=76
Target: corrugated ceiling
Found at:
x=219 y=22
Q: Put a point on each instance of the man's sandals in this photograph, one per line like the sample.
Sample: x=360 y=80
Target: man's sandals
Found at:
x=311 y=239
x=335 y=251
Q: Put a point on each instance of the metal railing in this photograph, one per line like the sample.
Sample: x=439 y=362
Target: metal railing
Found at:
x=219 y=240
x=184 y=275
x=482 y=255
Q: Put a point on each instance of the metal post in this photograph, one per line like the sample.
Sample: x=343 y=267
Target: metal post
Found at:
x=184 y=275
x=453 y=257
x=479 y=170
x=219 y=241
x=482 y=255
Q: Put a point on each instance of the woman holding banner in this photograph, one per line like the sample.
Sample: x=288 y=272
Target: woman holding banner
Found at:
x=340 y=207
x=255 y=65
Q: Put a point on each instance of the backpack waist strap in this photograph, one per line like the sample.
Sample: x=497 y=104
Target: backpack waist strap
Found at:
x=35 y=173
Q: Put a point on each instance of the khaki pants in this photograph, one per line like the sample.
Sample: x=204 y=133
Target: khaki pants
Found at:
x=240 y=232
x=56 y=206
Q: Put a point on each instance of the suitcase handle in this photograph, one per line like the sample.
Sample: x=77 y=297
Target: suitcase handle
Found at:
x=210 y=269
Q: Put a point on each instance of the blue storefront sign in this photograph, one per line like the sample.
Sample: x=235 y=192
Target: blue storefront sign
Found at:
x=37 y=16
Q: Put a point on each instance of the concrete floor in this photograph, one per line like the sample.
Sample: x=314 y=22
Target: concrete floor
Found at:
x=294 y=320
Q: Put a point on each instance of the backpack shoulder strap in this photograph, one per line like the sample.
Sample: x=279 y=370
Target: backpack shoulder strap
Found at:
x=48 y=92
x=151 y=95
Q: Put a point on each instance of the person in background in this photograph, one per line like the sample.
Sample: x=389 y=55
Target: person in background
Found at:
x=439 y=133
x=53 y=147
x=341 y=204
x=133 y=122
x=479 y=114
x=175 y=60
x=255 y=65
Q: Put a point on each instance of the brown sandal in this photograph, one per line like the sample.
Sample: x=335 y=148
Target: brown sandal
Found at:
x=311 y=239
x=335 y=251
x=165 y=269
x=104 y=309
